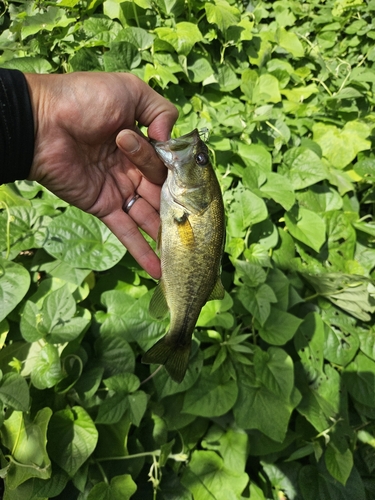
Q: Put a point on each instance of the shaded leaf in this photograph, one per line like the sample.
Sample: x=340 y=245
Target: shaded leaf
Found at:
x=207 y=477
x=72 y=437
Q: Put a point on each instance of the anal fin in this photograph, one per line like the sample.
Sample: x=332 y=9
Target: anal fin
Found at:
x=158 y=307
x=218 y=291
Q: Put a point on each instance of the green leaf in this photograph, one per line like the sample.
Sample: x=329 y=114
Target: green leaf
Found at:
x=129 y=318
x=290 y=42
x=303 y=167
x=183 y=36
x=299 y=94
x=227 y=78
x=354 y=294
x=278 y=188
x=28 y=64
x=341 y=147
x=256 y=493
x=121 y=56
x=306 y=226
x=266 y=89
x=340 y=347
x=72 y=437
x=222 y=13
x=47 y=368
x=279 y=327
x=200 y=67
x=257 y=254
x=51 y=18
x=317 y=483
x=259 y=408
x=137 y=405
x=320 y=199
x=81 y=240
x=14 y=284
x=231 y=444
x=367 y=342
x=321 y=397
x=115 y=354
x=214 y=313
x=26 y=440
x=264 y=235
x=255 y=156
x=359 y=378
x=56 y=321
x=309 y=342
x=207 y=477
x=14 y=392
x=112 y=409
x=274 y=369
x=245 y=210
x=123 y=382
x=339 y=464
x=139 y=37
x=31 y=325
x=41 y=488
x=214 y=394
x=120 y=488
x=257 y=301
x=89 y=382
x=251 y=275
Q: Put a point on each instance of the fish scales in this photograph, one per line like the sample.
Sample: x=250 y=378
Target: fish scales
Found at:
x=191 y=244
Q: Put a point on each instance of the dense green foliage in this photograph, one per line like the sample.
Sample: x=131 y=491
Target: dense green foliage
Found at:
x=279 y=399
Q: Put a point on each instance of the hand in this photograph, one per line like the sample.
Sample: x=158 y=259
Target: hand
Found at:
x=90 y=153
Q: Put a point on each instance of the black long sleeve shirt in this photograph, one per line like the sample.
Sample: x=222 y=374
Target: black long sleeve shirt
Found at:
x=16 y=127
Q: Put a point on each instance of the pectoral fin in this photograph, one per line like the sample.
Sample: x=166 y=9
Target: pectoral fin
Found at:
x=158 y=241
x=158 y=307
x=185 y=231
x=218 y=291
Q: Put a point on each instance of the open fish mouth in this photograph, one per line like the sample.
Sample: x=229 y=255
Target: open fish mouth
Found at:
x=177 y=151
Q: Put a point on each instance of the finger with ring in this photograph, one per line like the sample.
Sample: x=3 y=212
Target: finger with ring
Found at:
x=128 y=206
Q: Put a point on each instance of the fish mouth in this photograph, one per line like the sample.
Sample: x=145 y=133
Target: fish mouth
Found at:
x=177 y=151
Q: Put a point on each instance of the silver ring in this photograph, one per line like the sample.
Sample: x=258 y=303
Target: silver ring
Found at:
x=131 y=203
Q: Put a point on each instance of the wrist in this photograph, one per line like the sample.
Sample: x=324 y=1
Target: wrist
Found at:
x=43 y=91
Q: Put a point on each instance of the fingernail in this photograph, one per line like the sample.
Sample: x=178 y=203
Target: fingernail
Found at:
x=129 y=142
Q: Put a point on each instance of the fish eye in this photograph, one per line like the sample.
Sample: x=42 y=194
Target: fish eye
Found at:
x=201 y=159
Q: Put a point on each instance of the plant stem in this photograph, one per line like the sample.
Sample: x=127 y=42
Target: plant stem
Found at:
x=178 y=457
x=101 y=471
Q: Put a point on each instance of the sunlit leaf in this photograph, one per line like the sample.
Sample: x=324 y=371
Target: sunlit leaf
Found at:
x=14 y=283
x=83 y=241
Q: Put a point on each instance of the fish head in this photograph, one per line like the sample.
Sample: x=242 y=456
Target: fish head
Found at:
x=187 y=158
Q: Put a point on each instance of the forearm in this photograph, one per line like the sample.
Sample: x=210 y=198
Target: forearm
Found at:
x=16 y=127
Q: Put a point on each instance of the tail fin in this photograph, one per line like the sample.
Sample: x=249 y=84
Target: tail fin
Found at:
x=175 y=357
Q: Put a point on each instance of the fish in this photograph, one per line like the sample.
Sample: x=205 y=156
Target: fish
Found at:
x=190 y=242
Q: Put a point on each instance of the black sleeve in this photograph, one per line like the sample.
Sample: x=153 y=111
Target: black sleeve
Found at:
x=16 y=127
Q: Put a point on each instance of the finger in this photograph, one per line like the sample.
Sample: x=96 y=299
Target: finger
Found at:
x=140 y=152
x=145 y=216
x=128 y=233
x=153 y=110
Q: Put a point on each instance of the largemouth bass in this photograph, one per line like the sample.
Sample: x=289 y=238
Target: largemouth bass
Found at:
x=191 y=239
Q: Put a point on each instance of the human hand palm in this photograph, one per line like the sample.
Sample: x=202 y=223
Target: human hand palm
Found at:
x=84 y=154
